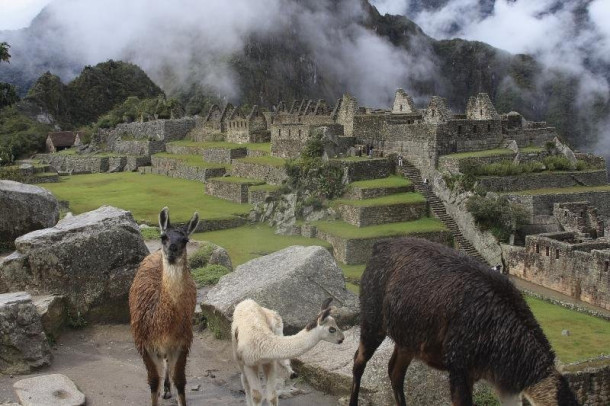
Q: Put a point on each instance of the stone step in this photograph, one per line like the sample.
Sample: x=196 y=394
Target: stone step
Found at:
x=353 y=245
x=233 y=189
x=269 y=169
x=190 y=167
x=382 y=210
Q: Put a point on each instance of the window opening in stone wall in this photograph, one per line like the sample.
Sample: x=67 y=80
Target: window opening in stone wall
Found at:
x=537 y=248
x=488 y=128
x=481 y=112
x=401 y=107
x=279 y=132
x=432 y=113
x=299 y=133
x=289 y=132
x=459 y=129
x=607 y=265
x=556 y=254
x=548 y=251
x=474 y=128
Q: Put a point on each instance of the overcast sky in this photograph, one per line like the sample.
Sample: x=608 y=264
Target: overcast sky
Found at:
x=16 y=14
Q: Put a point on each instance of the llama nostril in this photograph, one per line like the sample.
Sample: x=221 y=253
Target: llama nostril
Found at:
x=294 y=375
x=340 y=341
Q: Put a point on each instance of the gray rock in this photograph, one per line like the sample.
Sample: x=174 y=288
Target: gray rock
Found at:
x=564 y=150
x=294 y=281
x=565 y=332
x=52 y=311
x=90 y=259
x=25 y=208
x=48 y=390
x=220 y=256
x=24 y=346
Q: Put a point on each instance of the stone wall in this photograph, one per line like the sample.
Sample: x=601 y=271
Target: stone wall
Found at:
x=372 y=215
x=177 y=168
x=157 y=130
x=543 y=204
x=557 y=261
x=590 y=380
x=232 y=191
x=177 y=149
x=288 y=140
x=454 y=165
x=75 y=164
x=355 y=193
x=137 y=147
x=469 y=135
x=531 y=136
x=365 y=169
x=223 y=155
x=543 y=180
x=274 y=175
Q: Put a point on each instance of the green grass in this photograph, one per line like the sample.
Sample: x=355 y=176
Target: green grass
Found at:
x=480 y=154
x=389 y=182
x=357 y=159
x=253 y=241
x=264 y=160
x=150 y=233
x=208 y=275
x=264 y=188
x=69 y=151
x=589 y=336
x=530 y=150
x=235 y=179
x=574 y=189
x=226 y=145
x=143 y=195
x=345 y=230
x=399 y=198
x=191 y=160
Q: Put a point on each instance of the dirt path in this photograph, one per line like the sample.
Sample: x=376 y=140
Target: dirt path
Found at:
x=104 y=364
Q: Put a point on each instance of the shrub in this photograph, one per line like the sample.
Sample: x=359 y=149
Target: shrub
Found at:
x=558 y=163
x=314 y=177
x=498 y=215
x=208 y=275
x=313 y=148
x=201 y=257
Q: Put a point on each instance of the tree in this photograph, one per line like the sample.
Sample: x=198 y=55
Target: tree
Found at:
x=4 y=55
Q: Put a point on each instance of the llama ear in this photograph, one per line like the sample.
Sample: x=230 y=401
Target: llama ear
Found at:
x=164 y=219
x=326 y=303
x=192 y=224
x=323 y=316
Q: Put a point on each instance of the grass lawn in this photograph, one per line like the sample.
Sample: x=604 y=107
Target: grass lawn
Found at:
x=479 y=154
x=227 y=145
x=264 y=160
x=562 y=190
x=399 y=198
x=389 y=182
x=253 y=241
x=529 y=150
x=589 y=336
x=143 y=195
x=191 y=160
x=358 y=158
x=264 y=188
x=345 y=230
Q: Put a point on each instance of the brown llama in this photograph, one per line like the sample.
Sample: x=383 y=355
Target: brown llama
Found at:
x=162 y=301
x=454 y=314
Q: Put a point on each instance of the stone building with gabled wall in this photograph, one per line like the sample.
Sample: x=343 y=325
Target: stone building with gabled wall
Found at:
x=243 y=128
x=58 y=141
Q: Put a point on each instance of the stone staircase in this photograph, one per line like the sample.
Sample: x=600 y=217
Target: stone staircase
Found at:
x=438 y=208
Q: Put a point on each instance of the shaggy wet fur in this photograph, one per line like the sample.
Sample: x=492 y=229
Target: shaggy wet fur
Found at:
x=451 y=312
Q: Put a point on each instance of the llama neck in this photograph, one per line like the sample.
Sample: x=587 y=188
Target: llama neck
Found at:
x=173 y=278
x=288 y=347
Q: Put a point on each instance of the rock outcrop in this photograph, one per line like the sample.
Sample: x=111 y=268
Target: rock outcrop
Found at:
x=24 y=347
x=25 y=208
x=49 y=390
x=90 y=259
x=294 y=282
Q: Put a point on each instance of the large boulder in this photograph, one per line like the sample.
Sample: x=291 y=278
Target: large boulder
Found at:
x=25 y=208
x=90 y=259
x=48 y=390
x=294 y=282
x=24 y=346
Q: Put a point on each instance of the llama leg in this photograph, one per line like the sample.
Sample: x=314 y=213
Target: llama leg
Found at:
x=460 y=385
x=270 y=373
x=167 y=387
x=397 y=368
x=153 y=367
x=511 y=400
x=177 y=365
x=256 y=389
x=246 y=385
x=366 y=349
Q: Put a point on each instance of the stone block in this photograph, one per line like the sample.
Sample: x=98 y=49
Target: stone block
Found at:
x=52 y=311
x=48 y=390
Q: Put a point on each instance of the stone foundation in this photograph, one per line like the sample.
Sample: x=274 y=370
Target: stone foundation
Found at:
x=223 y=155
x=177 y=168
x=232 y=191
x=273 y=175
x=543 y=180
x=366 y=169
x=356 y=193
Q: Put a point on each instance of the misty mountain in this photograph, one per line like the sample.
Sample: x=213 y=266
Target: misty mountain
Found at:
x=287 y=49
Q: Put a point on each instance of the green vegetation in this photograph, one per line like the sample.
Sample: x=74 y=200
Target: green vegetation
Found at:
x=201 y=257
x=264 y=160
x=209 y=275
x=253 y=241
x=19 y=135
x=482 y=154
x=150 y=233
x=531 y=150
x=144 y=196
x=398 y=198
x=191 y=160
x=133 y=108
x=315 y=178
x=345 y=230
x=4 y=55
x=264 y=188
x=389 y=182
x=233 y=179
x=574 y=189
x=8 y=93
x=498 y=215
x=589 y=336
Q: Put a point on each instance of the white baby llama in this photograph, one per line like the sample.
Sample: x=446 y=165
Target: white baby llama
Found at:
x=257 y=347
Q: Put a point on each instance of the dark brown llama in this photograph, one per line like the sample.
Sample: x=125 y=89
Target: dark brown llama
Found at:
x=162 y=301
x=451 y=312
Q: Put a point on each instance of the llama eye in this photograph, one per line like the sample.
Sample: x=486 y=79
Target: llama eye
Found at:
x=332 y=330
